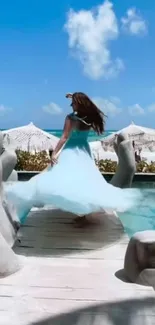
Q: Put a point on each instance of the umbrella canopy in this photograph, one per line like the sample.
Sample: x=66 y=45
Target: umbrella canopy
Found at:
x=29 y=138
x=143 y=137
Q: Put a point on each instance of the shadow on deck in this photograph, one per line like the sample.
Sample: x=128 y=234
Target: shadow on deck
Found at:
x=129 y=312
x=51 y=232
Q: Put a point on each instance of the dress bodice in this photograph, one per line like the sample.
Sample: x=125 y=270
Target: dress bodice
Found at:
x=79 y=135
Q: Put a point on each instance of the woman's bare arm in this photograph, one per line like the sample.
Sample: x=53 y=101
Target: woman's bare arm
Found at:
x=66 y=133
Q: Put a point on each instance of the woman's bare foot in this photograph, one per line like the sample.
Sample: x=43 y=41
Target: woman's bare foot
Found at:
x=81 y=222
x=78 y=219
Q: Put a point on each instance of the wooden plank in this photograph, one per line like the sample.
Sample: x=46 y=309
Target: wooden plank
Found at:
x=71 y=274
x=65 y=243
x=101 y=293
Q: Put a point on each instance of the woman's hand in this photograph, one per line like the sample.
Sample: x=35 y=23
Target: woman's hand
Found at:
x=54 y=161
x=69 y=95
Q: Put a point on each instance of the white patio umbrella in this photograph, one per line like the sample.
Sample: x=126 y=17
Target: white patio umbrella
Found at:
x=143 y=137
x=29 y=138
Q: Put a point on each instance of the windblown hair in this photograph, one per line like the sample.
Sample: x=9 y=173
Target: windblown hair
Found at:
x=88 y=111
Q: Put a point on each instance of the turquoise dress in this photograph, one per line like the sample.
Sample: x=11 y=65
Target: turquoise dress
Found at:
x=74 y=184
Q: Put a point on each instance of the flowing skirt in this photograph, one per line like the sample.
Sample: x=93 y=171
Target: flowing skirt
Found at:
x=74 y=184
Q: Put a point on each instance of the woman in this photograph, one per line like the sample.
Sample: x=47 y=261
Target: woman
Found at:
x=73 y=183
x=86 y=116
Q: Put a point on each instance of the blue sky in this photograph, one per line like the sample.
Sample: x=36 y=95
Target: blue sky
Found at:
x=106 y=49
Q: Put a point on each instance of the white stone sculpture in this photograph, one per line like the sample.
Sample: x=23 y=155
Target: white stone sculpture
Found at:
x=9 y=160
x=126 y=162
x=9 y=223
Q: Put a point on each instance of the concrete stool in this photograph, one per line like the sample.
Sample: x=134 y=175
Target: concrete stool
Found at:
x=8 y=159
x=139 y=263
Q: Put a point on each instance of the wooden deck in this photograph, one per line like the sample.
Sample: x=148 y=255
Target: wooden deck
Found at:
x=71 y=276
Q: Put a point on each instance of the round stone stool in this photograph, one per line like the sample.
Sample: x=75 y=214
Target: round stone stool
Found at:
x=139 y=262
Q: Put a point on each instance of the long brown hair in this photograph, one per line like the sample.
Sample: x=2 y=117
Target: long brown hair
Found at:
x=87 y=110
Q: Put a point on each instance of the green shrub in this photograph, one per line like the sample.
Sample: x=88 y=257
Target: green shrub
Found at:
x=110 y=166
x=144 y=167
x=106 y=165
x=32 y=162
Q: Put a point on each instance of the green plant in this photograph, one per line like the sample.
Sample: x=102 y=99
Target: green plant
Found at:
x=32 y=162
x=144 y=167
x=106 y=165
x=110 y=166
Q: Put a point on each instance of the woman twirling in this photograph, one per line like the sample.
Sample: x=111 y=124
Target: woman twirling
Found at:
x=73 y=183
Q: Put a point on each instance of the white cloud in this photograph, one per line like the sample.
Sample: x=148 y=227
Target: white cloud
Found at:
x=136 y=110
x=109 y=107
x=90 y=32
x=115 y=100
x=52 y=109
x=133 y=23
x=151 y=108
x=4 y=109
